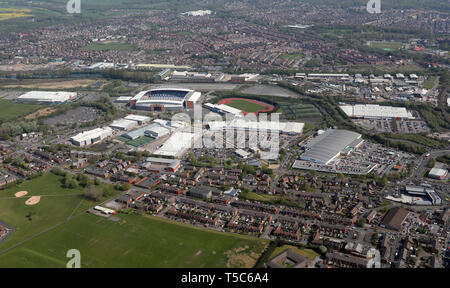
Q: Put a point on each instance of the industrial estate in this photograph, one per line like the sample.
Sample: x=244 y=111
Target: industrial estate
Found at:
x=212 y=140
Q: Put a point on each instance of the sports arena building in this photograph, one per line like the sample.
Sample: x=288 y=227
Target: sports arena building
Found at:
x=165 y=99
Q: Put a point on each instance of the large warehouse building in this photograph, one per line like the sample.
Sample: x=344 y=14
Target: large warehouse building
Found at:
x=165 y=99
x=91 y=137
x=373 y=111
x=239 y=124
x=176 y=145
x=47 y=97
x=330 y=144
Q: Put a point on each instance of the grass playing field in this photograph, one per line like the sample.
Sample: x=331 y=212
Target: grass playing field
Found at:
x=299 y=111
x=308 y=253
x=56 y=205
x=141 y=141
x=429 y=83
x=244 y=105
x=9 y=110
x=134 y=241
x=387 y=45
x=108 y=47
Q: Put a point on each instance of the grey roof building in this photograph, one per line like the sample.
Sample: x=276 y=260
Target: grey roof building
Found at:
x=289 y=259
x=329 y=144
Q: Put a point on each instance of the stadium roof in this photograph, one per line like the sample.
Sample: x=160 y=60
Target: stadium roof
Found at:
x=194 y=97
x=223 y=108
x=375 y=111
x=329 y=144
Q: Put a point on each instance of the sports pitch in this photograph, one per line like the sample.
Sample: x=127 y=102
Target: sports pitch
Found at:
x=10 y=110
x=247 y=105
x=141 y=141
x=134 y=241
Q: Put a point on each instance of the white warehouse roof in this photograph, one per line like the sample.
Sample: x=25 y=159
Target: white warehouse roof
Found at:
x=47 y=96
x=375 y=111
x=85 y=138
x=241 y=124
x=176 y=144
x=138 y=118
x=123 y=124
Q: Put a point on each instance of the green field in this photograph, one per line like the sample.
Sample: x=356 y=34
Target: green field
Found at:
x=290 y=56
x=108 y=47
x=135 y=241
x=299 y=111
x=56 y=205
x=387 y=46
x=10 y=110
x=429 y=83
x=141 y=141
x=246 y=106
x=308 y=253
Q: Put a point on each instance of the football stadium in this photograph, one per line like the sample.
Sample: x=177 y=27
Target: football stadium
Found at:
x=165 y=99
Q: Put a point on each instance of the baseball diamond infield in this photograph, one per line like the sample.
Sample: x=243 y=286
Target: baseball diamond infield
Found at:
x=21 y=194
x=248 y=105
x=33 y=200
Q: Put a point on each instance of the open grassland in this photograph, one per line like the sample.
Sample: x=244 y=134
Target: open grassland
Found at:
x=109 y=47
x=246 y=106
x=299 y=111
x=10 y=110
x=56 y=205
x=135 y=241
x=11 y=13
x=66 y=84
x=308 y=253
x=429 y=83
x=387 y=45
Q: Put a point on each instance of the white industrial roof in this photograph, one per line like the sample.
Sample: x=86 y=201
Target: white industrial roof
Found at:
x=328 y=144
x=48 y=96
x=241 y=124
x=158 y=129
x=123 y=124
x=138 y=118
x=176 y=144
x=95 y=133
x=437 y=172
x=194 y=97
x=375 y=111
